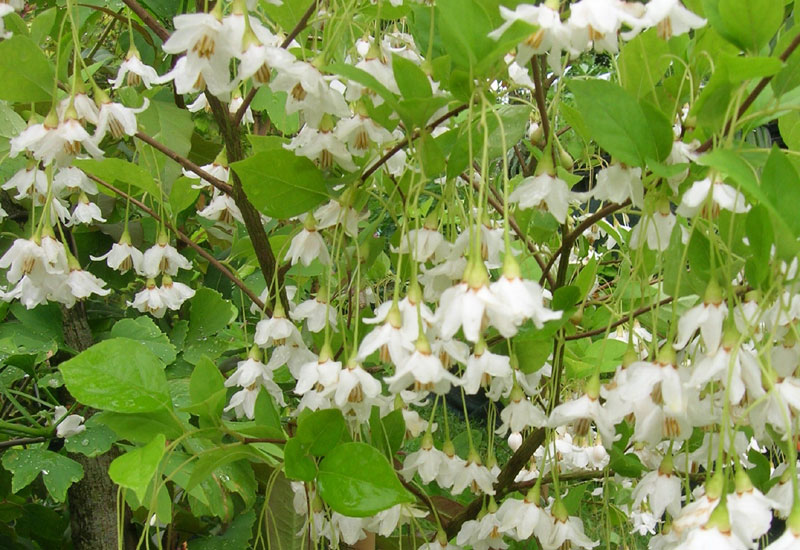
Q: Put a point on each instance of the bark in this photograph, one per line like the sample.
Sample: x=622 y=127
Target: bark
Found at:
x=93 y=500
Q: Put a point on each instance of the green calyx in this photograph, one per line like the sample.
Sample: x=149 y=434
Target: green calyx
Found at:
x=714 y=485
x=742 y=480
x=511 y=269
x=310 y=223
x=255 y=354
x=713 y=294
x=666 y=467
x=666 y=355
x=720 y=519
x=593 y=386
x=559 y=511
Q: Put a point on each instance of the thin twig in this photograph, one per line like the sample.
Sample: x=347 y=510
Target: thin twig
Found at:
x=186 y=163
x=298 y=28
x=148 y=19
x=615 y=324
x=21 y=441
x=569 y=239
x=405 y=141
x=200 y=250
x=752 y=96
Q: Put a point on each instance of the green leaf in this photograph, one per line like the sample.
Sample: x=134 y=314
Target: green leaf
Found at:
x=320 y=431
x=182 y=195
x=209 y=314
x=121 y=173
x=627 y=465
x=207 y=391
x=411 y=80
x=281 y=184
x=789 y=127
x=266 y=416
x=144 y=330
x=388 y=431
x=433 y=160
x=566 y=297
x=58 y=471
x=140 y=427
x=275 y=105
x=236 y=536
x=26 y=73
x=118 y=375
x=135 y=469
x=758 y=228
x=616 y=121
x=781 y=186
x=740 y=68
x=365 y=79
x=749 y=24
x=210 y=460
x=11 y=124
x=356 y=480
x=95 y=440
x=172 y=126
x=298 y=465
x=282 y=522
x=643 y=62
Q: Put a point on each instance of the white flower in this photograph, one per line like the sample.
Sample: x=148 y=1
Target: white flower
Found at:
x=551 y=37
x=708 y=317
x=427 y=461
x=276 y=331
x=750 y=512
x=72 y=179
x=59 y=142
x=258 y=60
x=333 y=213
x=519 y=299
x=359 y=132
x=26 y=257
x=308 y=90
x=82 y=284
x=117 y=119
x=520 y=414
x=423 y=243
x=565 y=528
x=545 y=188
x=195 y=74
x=307 y=246
x=618 y=183
x=354 y=385
x=322 y=372
x=27 y=181
x=68 y=425
x=464 y=306
x=216 y=169
x=524 y=517
x=136 y=71
x=424 y=371
x=84 y=107
x=483 y=368
x=657 y=229
x=174 y=293
x=149 y=300
x=483 y=533
x=582 y=410
x=243 y=402
x=722 y=196
x=789 y=540
x=663 y=492
x=474 y=475
x=85 y=212
x=249 y=372
x=222 y=208
x=233 y=107
x=323 y=147
x=163 y=258
x=122 y=257
x=670 y=17
x=314 y=312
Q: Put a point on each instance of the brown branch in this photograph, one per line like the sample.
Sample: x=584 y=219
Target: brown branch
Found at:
x=118 y=16
x=753 y=95
x=504 y=480
x=405 y=141
x=250 y=216
x=148 y=19
x=21 y=441
x=200 y=250
x=186 y=163
x=570 y=239
x=298 y=28
x=615 y=324
x=263 y=440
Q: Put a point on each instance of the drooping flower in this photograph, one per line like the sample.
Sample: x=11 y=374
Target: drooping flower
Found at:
x=135 y=70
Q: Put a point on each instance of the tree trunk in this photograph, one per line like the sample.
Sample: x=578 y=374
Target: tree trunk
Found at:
x=93 y=500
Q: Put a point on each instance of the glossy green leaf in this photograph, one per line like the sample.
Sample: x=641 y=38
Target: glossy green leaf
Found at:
x=758 y=228
x=387 y=431
x=298 y=465
x=207 y=390
x=209 y=314
x=274 y=103
x=281 y=184
x=267 y=417
x=320 y=431
x=119 y=375
x=781 y=186
x=25 y=71
x=235 y=537
x=210 y=460
x=58 y=471
x=140 y=427
x=356 y=480
x=95 y=440
x=135 y=469
x=144 y=330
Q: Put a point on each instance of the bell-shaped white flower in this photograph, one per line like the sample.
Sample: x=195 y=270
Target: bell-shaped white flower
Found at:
x=123 y=256
x=27 y=181
x=543 y=188
x=135 y=70
x=709 y=195
x=162 y=257
x=67 y=425
x=423 y=370
x=315 y=312
x=707 y=316
x=618 y=183
x=322 y=146
x=308 y=90
x=222 y=208
x=174 y=293
x=149 y=300
x=583 y=411
x=520 y=414
x=308 y=245
x=483 y=367
x=117 y=119
x=85 y=212
x=662 y=488
x=565 y=528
